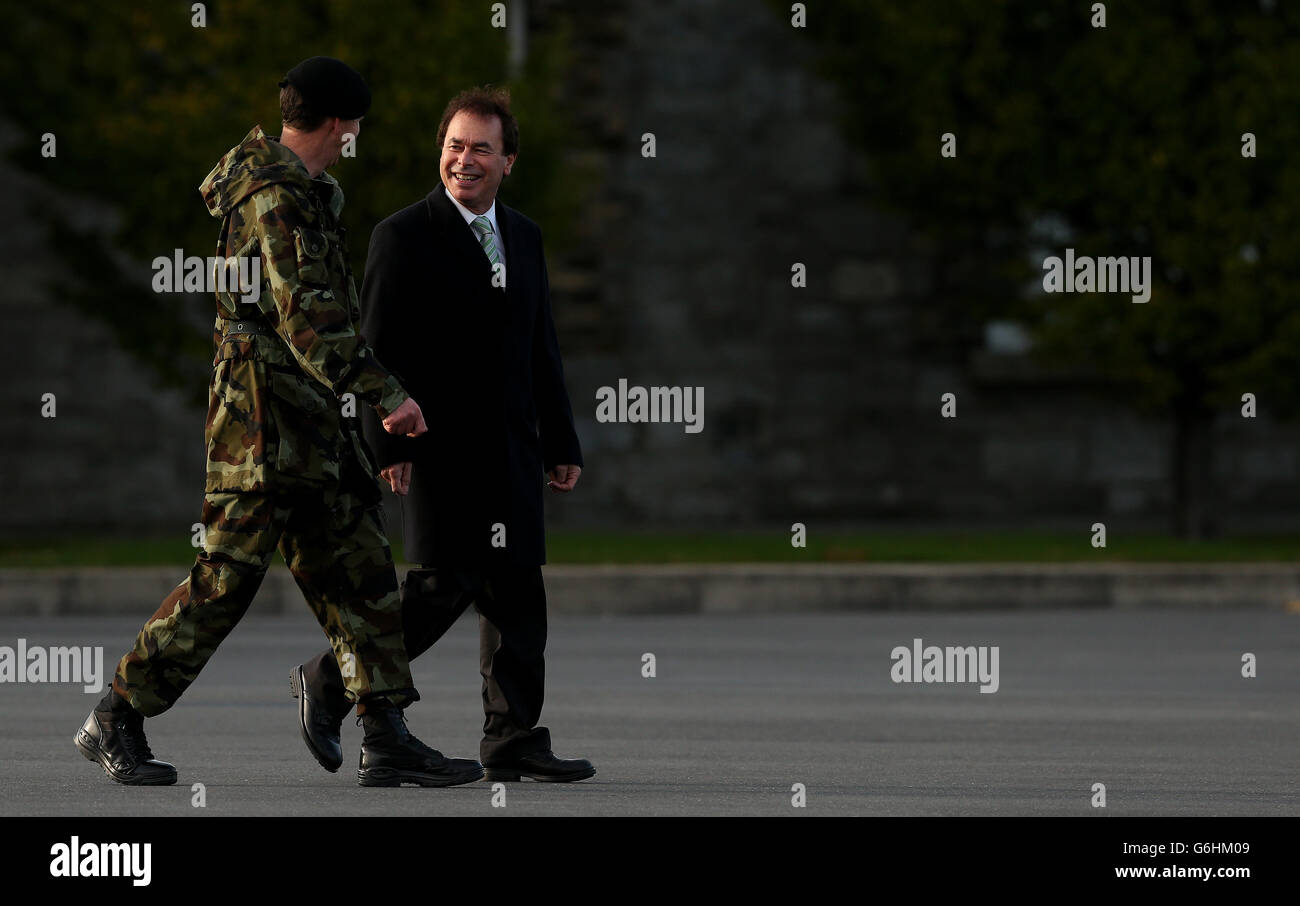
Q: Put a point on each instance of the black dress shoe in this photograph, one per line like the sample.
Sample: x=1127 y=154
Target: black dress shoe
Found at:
x=115 y=739
x=545 y=766
x=391 y=756
x=320 y=729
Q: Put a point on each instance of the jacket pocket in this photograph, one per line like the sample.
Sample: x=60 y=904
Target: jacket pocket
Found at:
x=312 y=249
x=230 y=286
x=240 y=431
x=307 y=428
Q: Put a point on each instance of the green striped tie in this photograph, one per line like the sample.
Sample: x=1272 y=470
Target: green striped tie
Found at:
x=483 y=227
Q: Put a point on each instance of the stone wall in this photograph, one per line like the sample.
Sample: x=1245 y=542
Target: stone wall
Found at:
x=821 y=404
x=119 y=455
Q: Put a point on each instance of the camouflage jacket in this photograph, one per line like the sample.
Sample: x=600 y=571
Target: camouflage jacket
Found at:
x=275 y=417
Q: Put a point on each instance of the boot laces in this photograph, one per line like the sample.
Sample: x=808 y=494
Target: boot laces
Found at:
x=406 y=736
x=396 y=720
x=131 y=731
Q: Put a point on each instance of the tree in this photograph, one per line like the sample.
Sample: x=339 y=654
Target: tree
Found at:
x=143 y=102
x=1118 y=140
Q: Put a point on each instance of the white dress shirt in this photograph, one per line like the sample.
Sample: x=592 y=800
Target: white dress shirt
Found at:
x=491 y=215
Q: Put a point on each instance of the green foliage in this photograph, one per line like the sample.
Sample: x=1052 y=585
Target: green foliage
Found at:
x=1123 y=140
x=143 y=104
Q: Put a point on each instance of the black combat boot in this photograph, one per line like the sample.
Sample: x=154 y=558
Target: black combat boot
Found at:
x=391 y=756
x=113 y=736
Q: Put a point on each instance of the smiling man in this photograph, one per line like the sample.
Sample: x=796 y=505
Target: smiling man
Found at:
x=456 y=300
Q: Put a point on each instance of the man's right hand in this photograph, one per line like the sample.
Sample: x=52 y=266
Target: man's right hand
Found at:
x=398 y=476
x=406 y=419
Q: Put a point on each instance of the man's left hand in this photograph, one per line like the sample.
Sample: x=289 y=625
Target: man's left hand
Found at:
x=563 y=478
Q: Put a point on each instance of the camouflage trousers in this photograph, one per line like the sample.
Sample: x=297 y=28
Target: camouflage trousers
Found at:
x=334 y=544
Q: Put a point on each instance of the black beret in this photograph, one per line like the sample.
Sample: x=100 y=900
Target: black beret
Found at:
x=330 y=87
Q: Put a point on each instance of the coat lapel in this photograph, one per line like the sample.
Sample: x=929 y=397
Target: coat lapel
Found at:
x=506 y=233
x=450 y=231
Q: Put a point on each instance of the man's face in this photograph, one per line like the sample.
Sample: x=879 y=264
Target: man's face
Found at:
x=473 y=162
x=339 y=130
x=337 y=134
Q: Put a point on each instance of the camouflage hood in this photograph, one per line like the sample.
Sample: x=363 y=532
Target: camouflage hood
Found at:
x=253 y=164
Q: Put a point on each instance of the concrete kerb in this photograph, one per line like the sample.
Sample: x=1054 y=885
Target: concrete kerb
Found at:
x=746 y=588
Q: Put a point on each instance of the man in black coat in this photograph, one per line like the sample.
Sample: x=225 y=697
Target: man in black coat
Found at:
x=456 y=302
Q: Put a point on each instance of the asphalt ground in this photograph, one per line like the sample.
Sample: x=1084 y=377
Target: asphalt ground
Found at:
x=1150 y=703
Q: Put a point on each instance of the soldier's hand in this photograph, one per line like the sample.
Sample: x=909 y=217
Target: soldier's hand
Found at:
x=563 y=478
x=398 y=476
x=406 y=419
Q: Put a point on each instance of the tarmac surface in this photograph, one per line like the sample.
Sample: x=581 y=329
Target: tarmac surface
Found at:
x=1150 y=703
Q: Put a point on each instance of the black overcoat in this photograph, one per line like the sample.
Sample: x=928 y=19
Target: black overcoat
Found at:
x=484 y=365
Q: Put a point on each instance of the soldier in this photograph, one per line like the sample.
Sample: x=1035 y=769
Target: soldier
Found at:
x=286 y=469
